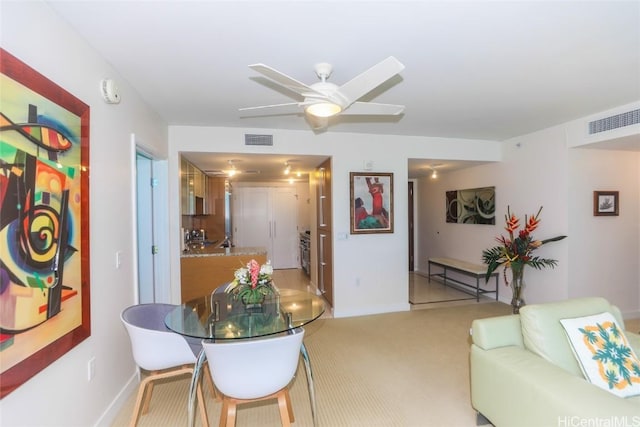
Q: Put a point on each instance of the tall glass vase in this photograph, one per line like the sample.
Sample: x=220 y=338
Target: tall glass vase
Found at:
x=517 y=287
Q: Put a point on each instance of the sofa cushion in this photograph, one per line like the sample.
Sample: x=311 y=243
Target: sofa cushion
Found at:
x=603 y=352
x=543 y=334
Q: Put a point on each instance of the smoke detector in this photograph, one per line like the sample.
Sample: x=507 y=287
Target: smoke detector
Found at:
x=109 y=91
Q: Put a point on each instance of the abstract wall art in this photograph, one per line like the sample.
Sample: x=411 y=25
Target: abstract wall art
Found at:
x=44 y=222
x=472 y=206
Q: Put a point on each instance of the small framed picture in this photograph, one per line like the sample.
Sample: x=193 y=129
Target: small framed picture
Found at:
x=371 y=202
x=605 y=203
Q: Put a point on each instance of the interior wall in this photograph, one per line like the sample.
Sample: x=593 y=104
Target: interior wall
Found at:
x=519 y=184
x=61 y=394
x=436 y=237
x=600 y=255
x=362 y=285
x=370 y=270
x=605 y=250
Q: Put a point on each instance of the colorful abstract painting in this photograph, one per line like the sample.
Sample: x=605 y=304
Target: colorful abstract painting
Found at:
x=44 y=217
x=472 y=206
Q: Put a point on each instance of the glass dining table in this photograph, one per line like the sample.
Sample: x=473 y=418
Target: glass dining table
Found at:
x=219 y=317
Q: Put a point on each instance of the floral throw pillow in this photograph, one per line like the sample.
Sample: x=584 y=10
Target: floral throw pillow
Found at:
x=604 y=354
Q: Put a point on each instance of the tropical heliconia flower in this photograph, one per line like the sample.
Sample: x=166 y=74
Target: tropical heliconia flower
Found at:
x=515 y=251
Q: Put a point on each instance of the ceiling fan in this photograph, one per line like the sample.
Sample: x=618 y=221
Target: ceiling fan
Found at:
x=324 y=99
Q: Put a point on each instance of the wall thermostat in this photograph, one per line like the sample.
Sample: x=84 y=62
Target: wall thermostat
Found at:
x=109 y=91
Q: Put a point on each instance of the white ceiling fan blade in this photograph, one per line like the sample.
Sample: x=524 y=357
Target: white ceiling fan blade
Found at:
x=284 y=80
x=372 y=109
x=365 y=82
x=287 y=108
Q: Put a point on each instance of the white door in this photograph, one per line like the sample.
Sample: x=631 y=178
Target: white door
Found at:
x=144 y=209
x=251 y=225
x=285 y=242
x=267 y=217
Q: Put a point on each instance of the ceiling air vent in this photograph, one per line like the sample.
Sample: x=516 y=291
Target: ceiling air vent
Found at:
x=614 y=122
x=214 y=172
x=252 y=139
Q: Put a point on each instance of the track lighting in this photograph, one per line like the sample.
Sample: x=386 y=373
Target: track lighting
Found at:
x=287 y=168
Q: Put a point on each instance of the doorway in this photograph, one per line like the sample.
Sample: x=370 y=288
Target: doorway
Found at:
x=150 y=176
x=411 y=228
x=144 y=229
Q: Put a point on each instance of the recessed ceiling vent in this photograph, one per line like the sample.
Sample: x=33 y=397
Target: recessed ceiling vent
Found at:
x=253 y=139
x=614 y=122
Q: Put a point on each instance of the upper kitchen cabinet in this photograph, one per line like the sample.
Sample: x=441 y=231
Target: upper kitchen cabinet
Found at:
x=193 y=189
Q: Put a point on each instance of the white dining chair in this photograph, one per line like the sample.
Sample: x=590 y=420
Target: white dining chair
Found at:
x=253 y=370
x=159 y=351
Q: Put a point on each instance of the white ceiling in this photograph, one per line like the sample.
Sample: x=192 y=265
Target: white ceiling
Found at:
x=477 y=69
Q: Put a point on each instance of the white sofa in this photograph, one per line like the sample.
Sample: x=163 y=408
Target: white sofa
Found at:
x=524 y=372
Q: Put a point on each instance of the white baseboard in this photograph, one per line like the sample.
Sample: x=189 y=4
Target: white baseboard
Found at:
x=112 y=411
x=373 y=310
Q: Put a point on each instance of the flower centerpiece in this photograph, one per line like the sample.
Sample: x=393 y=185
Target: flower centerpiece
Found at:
x=515 y=252
x=251 y=284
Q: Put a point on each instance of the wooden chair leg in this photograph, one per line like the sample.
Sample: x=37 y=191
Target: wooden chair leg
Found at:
x=228 y=414
x=229 y=408
x=223 y=413
x=214 y=391
x=148 y=383
x=289 y=406
x=286 y=413
x=202 y=407
x=149 y=392
x=138 y=404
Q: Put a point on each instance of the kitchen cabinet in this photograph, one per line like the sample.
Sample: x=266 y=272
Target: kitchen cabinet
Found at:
x=267 y=216
x=215 y=198
x=193 y=189
x=200 y=274
x=187 y=201
x=324 y=230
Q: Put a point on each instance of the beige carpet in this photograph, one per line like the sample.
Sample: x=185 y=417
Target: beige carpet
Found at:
x=398 y=369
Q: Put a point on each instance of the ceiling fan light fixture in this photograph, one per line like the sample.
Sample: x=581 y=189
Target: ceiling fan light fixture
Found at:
x=323 y=109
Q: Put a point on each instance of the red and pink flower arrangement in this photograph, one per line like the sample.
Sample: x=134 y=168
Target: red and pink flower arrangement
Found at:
x=251 y=284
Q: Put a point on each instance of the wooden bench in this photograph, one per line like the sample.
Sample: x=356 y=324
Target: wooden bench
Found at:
x=466 y=268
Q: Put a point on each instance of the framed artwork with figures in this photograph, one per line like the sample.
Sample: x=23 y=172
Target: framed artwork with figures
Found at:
x=371 y=202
